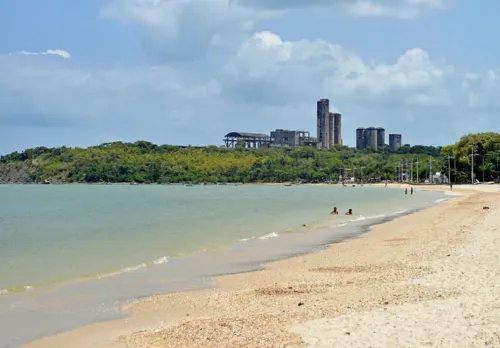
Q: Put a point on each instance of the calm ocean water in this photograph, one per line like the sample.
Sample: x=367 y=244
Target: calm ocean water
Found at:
x=56 y=233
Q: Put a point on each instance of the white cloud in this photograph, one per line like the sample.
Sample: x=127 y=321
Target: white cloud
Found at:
x=188 y=29
x=289 y=71
x=388 y=8
x=394 y=8
x=482 y=89
x=184 y=29
x=267 y=83
x=61 y=53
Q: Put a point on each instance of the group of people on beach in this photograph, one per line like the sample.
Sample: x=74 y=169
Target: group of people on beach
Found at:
x=336 y=212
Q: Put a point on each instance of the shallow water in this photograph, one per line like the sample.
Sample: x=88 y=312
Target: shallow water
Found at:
x=50 y=234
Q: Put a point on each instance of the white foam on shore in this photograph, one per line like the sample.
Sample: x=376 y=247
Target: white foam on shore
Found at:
x=440 y=200
x=4 y=292
x=400 y=212
x=123 y=270
x=161 y=260
x=270 y=235
x=246 y=239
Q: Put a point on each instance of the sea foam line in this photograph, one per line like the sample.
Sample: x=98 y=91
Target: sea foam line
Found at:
x=270 y=235
x=440 y=200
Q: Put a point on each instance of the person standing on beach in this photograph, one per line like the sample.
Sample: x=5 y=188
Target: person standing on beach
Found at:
x=451 y=186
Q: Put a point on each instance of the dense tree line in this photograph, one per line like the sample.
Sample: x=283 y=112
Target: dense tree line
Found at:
x=485 y=148
x=144 y=162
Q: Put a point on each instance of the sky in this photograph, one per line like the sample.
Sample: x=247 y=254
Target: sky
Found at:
x=182 y=72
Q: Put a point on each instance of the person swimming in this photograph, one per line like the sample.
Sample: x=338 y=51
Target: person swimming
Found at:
x=349 y=212
x=334 y=211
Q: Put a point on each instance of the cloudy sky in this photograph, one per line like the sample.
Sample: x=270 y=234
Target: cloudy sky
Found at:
x=189 y=71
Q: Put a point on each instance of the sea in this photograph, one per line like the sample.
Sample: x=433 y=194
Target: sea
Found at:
x=78 y=253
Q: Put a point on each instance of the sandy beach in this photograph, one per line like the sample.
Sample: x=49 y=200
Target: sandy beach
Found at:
x=429 y=279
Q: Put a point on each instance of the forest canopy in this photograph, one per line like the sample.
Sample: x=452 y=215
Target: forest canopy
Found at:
x=145 y=162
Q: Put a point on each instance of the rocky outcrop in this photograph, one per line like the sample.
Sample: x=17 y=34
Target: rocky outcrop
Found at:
x=15 y=173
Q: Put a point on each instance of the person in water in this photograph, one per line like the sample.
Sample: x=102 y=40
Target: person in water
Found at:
x=334 y=211
x=406 y=191
x=349 y=212
x=411 y=190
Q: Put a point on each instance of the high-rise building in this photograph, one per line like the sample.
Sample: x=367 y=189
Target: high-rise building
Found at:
x=380 y=137
x=371 y=138
x=337 y=129
x=395 y=141
x=360 y=138
x=331 y=129
x=323 y=117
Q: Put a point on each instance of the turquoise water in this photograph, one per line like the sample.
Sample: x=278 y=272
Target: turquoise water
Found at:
x=55 y=233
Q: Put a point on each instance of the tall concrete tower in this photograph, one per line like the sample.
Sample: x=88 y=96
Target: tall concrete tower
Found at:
x=331 y=129
x=360 y=138
x=337 y=128
x=395 y=141
x=380 y=137
x=371 y=138
x=323 y=127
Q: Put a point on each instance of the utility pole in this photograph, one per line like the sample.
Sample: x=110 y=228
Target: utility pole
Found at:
x=472 y=164
x=449 y=167
x=430 y=169
x=411 y=169
x=417 y=163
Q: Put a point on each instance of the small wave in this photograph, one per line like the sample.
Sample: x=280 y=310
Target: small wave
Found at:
x=400 y=212
x=378 y=216
x=28 y=287
x=340 y=225
x=270 y=235
x=161 y=260
x=360 y=218
x=246 y=239
x=440 y=200
x=4 y=292
x=123 y=270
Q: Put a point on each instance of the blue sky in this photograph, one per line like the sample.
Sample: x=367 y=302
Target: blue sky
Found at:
x=189 y=71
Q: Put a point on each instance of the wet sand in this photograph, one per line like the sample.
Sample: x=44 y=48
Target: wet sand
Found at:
x=426 y=279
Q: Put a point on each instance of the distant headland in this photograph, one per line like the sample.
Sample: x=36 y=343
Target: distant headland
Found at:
x=474 y=157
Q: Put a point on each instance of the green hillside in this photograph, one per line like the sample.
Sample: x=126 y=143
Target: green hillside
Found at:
x=144 y=162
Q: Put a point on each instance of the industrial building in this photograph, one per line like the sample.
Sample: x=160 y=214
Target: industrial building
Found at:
x=329 y=125
x=395 y=141
x=278 y=138
x=329 y=133
x=290 y=138
x=371 y=137
x=380 y=137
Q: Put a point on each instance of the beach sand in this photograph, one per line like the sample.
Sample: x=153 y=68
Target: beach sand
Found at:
x=430 y=279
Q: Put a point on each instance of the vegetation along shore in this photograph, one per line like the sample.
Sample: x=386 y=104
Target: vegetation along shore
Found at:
x=144 y=162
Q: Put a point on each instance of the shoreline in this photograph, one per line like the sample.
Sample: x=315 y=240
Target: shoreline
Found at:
x=43 y=287
x=141 y=313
